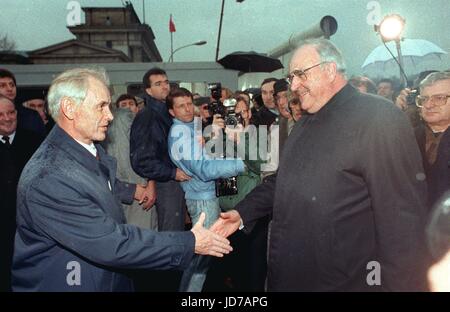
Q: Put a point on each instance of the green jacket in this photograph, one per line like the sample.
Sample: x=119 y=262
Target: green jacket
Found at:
x=250 y=178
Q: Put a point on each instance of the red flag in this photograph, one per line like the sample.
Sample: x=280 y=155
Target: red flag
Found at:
x=171 y=25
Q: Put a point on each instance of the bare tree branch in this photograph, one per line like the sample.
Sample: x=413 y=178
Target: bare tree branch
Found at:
x=7 y=44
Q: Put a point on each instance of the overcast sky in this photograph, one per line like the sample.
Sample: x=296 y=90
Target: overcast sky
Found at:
x=258 y=25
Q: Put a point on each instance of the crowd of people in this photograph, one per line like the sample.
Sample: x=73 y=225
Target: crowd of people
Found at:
x=328 y=174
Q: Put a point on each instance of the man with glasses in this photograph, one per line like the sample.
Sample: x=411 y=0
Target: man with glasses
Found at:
x=433 y=135
x=349 y=196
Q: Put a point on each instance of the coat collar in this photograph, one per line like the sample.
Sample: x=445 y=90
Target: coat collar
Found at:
x=341 y=97
x=159 y=107
x=59 y=138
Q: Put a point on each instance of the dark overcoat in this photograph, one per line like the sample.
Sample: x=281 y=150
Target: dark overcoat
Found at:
x=348 y=199
x=438 y=173
x=71 y=231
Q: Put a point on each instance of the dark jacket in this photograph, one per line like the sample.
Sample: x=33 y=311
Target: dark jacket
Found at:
x=149 y=154
x=349 y=191
x=29 y=119
x=71 y=231
x=264 y=117
x=13 y=160
x=438 y=174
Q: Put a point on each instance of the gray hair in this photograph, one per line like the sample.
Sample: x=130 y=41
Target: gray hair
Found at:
x=73 y=83
x=433 y=78
x=328 y=52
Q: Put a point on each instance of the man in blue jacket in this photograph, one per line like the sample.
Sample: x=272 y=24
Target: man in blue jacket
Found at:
x=148 y=152
x=71 y=232
x=187 y=152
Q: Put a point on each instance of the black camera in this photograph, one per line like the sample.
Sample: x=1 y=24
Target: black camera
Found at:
x=411 y=98
x=226 y=187
x=231 y=118
x=225 y=110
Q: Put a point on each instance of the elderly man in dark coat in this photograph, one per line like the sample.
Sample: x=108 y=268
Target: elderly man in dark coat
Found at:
x=433 y=133
x=71 y=231
x=349 y=197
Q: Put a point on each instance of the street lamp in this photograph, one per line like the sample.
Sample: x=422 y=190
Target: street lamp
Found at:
x=220 y=27
x=198 y=43
x=391 y=28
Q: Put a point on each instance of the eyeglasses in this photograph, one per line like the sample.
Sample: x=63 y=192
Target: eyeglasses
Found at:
x=437 y=99
x=301 y=74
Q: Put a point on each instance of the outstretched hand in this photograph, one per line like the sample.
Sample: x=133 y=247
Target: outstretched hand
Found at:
x=227 y=224
x=208 y=242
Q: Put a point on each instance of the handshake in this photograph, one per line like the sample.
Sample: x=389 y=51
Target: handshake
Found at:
x=213 y=242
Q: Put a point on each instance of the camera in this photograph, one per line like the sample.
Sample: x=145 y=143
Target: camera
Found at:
x=411 y=98
x=231 y=118
x=226 y=187
x=225 y=110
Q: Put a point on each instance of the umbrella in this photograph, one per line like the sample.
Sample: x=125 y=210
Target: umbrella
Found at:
x=415 y=52
x=250 y=62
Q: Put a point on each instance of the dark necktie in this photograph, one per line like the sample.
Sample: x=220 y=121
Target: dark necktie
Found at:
x=6 y=139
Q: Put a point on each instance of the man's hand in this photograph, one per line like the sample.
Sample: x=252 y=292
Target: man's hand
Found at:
x=227 y=224
x=146 y=195
x=401 y=101
x=208 y=242
x=181 y=176
x=217 y=125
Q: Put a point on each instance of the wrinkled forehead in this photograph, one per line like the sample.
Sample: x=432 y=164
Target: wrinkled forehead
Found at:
x=98 y=91
x=304 y=57
x=6 y=104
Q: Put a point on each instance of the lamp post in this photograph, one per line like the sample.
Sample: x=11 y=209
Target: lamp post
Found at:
x=220 y=27
x=391 y=28
x=198 y=43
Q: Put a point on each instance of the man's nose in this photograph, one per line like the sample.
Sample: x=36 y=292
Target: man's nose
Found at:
x=109 y=115
x=295 y=84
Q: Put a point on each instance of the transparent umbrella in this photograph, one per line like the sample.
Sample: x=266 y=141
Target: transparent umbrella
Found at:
x=418 y=55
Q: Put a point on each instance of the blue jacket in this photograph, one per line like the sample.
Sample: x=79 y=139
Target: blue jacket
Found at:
x=71 y=232
x=148 y=142
x=195 y=162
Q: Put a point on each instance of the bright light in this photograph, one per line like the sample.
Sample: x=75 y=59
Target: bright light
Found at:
x=391 y=27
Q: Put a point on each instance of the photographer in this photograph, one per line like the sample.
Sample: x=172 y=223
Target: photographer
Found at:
x=186 y=150
x=406 y=100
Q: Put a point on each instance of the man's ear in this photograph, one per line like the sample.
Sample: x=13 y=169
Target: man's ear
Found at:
x=68 y=107
x=171 y=112
x=332 y=70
